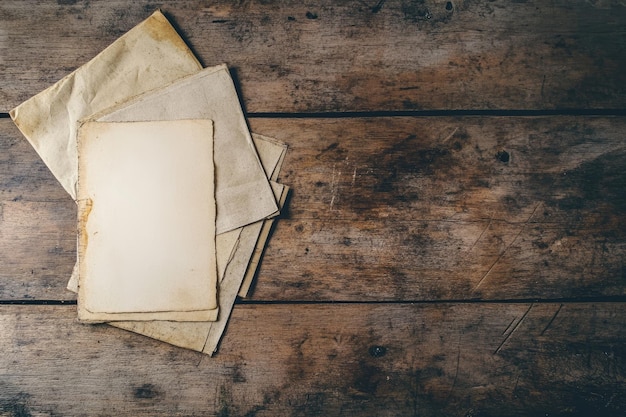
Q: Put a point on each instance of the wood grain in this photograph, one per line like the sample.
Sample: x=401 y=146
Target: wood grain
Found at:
x=391 y=209
x=448 y=208
x=37 y=224
x=342 y=360
x=350 y=55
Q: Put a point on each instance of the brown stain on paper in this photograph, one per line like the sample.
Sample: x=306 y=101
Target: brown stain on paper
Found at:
x=84 y=210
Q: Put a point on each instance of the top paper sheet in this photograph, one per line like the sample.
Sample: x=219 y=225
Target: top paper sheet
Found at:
x=146 y=219
x=148 y=56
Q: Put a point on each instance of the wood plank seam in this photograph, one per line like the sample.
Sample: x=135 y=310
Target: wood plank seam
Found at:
x=429 y=113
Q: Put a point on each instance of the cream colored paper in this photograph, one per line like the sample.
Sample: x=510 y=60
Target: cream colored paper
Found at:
x=205 y=337
x=146 y=221
x=225 y=244
x=271 y=154
x=148 y=56
x=243 y=193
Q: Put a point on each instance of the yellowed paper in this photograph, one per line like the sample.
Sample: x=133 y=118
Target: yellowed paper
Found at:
x=243 y=193
x=150 y=55
x=271 y=153
x=146 y=221
x=204 y=337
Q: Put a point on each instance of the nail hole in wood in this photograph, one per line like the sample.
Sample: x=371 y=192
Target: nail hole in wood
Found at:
x=503 y=156
x=377 y=351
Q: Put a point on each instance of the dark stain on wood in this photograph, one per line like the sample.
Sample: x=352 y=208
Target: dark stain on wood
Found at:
x=225 y=403
x=237 y=374
x=378 y=6
x=416 y=10
x=366 y=378
x=146 y=392
x=401 y=163
x=13 y=401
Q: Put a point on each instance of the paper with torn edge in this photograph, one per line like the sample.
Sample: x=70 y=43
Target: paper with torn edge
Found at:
x=266 y=146
x=146 y=57
x=205 y=336
x=146 y=221
x=243 y=193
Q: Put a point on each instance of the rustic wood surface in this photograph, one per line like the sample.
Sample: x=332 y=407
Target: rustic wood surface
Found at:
x=444 y=262
x=392 y=209
x=326 y=360
x=350 y=55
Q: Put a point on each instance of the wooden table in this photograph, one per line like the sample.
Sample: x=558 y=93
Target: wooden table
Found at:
x=455 y=240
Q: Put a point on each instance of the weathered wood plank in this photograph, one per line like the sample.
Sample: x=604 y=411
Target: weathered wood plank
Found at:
x=343 y=360
x=391 y=209
x=449 y=208
x=350 y=55
x=37 y=224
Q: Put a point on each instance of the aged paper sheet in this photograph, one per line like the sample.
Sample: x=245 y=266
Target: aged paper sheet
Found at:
x=148 y=56
x=243 y=193
x=146 y=221
x=204 y=337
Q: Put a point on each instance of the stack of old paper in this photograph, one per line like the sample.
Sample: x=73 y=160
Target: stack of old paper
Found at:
x=175 y=196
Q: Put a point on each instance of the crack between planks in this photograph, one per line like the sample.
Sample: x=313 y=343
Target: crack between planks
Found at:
x=440 y=113
x=429 y=113
x=562 y=301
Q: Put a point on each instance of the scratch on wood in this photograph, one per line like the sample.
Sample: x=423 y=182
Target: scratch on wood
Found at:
x=378 y=6
x=509 y=326
x=334 y=186
x=480 y=282
x=514 y=329
x=558 y=310
x=447 y=138
x=354 y=177
x=456 y=373
x=516 y=383
x=481 y=235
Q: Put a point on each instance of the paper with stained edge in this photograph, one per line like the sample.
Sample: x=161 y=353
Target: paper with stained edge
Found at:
x=243 y=193
x=205 y=336
x=146 y=221
x=146 y=57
